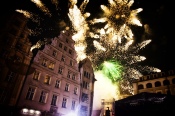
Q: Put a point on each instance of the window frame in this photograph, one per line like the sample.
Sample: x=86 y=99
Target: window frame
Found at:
x=47 y=80
x=73 y=105
x=30 y=93
x=64 y=102
x=58 y=83
x=43 y=97
x=54 y=99
x=67 y=86
x=36 y=75
x=75 y=90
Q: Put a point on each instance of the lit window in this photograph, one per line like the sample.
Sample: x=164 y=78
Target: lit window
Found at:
x=10 y=76
x=67 y=87
x=60 y=71
x=64 y=103
x=73 y=105
x=44 y=62
x=43 y=97
x=75 y=90
x=30 y=93
x=51 y=66
x=47 y=79
x=54 y=100
x=57 y=84
x=36 y=75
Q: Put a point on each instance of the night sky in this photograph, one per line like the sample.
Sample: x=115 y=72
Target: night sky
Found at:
x=158 y=14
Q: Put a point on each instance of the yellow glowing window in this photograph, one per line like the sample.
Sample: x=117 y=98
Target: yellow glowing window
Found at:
x=47 y=79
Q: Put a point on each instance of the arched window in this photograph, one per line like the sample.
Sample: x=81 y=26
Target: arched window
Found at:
x=148 y=85
x=157 y=84
x=140 y=86
x=166 y=82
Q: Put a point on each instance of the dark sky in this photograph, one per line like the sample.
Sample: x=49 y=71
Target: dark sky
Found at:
x=158 y=14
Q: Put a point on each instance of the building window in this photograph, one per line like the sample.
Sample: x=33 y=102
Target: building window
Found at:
x=58 y=83
x=54 y=100
x=36 y=75
x=65 y=48
x=43 y=97
x=10 y=76
x=73 y=105
x=51 y=66
x=63 y=58
x=148 y=85
x=64 y=103
x=71 y=62
x=89 y=75
x=157 y=84
x=73 y=77
x=47 y=79
x=44 y=62
x=84 y=97
x=67 y=87
x=86 y=74
x=67 y=41
x=83 y=110
x=70 y=51
x=60 y=45
x=140 y=87
x=54 y=53
x=85 y=85
x=75 y=90
x=166 y=82
x=60 y=70
x=68 y=74
x=30 y=93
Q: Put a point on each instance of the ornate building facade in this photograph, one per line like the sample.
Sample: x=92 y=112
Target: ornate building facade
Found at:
x=15 y=57
x=154 y=95
x=162 y=82
x=87 y=87
x=59 y=85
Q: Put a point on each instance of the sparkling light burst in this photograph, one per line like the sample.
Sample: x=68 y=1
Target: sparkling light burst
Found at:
x=112 y=42
x=107 y=41
x=43 y=22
